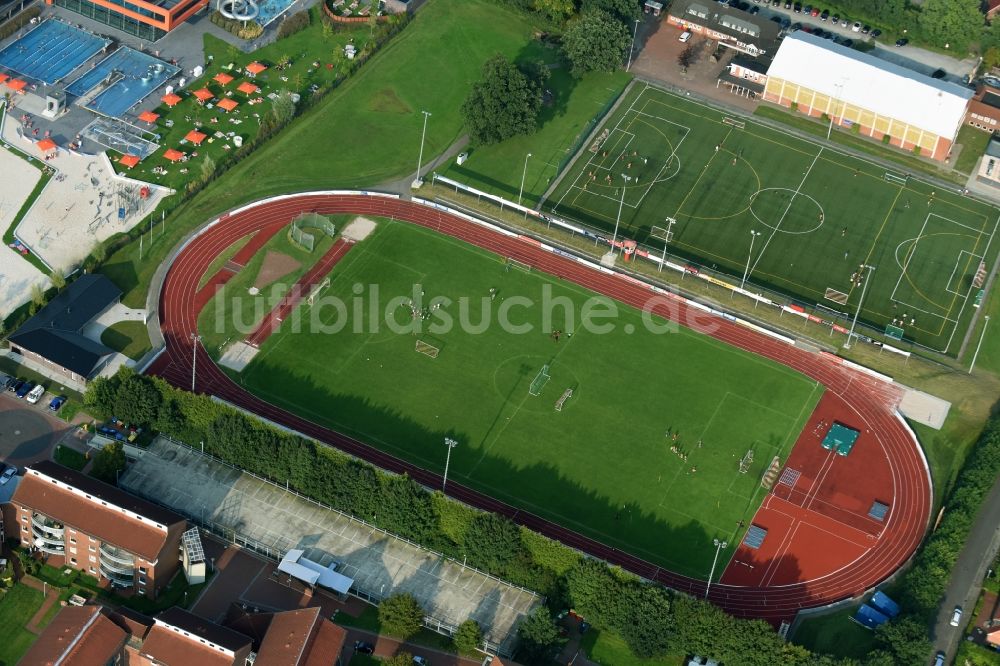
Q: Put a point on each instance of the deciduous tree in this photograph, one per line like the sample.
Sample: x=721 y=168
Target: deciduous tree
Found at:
x=597 y=41
x=502 y=104
x=400 y=615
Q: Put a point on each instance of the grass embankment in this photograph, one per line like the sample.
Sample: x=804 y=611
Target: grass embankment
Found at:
x=128 y=337
x=608 y=649
x=17 y=606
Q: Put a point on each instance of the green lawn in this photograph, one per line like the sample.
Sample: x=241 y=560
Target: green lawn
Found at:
x=835 y=633
x=365 y=132
x=243 y=311
x=820 y=215
x=128 y=337
x=973 y=142
x=311 y=45
x=17 y=607
x=970 y=654
x=609 y=649
x=368 y=620
x=577 y=104
x=69 y=458
x=606 y=466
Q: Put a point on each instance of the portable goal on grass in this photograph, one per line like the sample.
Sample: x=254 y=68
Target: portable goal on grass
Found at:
x=538 y=383
x=514 y=264
x=314 y=292
x=891 y=177
x=746 y=461
x=427 y=349
x=567 y=394
x=738 y=124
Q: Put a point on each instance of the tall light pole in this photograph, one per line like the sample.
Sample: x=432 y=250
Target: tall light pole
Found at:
x=986 y=322
x=450 y=443
x=621 y=204
x=523 y=174
x=631 y=48
x=840 y=93
x=746 y=271
x=417 y=180
x=195 y=341
x=719 y=545
x=666 y=239
x=868 y=278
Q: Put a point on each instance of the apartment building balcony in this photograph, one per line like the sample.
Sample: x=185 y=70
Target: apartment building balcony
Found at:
x=122 y=558
x=54 y=529
x=119 y=578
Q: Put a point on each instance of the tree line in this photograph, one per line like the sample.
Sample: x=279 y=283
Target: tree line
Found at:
x=651 y=619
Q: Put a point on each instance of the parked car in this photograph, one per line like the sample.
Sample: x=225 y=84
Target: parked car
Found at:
x=856 y=27
x=788 y=4
x=776 y=3
x=25 y=389
x=875 y=33
x=7 y=475
x=939 y=74
x=815 y=12
x=57 y=402
x=808 y=10
x=685 y=36
x=743 y=6
x=835 y=18
x=35 y=394
x=848 y=43
x=865 y=29
x=797 y=7
x=795 y=27
x=776 y=19
x=363 y=647
x=902 y=41
x=420 y=661
x=755 y=9
x=16 y=386
x=956 y=616
x=825 y=15
x=844 y=22
x=939 y=658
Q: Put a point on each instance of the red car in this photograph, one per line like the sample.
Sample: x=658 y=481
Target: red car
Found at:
x=815 y=11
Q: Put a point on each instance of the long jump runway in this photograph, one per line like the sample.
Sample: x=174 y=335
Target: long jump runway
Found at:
x=868 y=402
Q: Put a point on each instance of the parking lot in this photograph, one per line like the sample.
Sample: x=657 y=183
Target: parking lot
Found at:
x=28 y=433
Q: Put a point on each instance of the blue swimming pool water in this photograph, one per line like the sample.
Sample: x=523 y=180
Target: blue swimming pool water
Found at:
x=50 y=51
x=271 y=9
x=137 y=75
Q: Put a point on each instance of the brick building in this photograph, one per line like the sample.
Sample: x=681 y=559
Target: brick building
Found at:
x=730 y=27
x=984 y=109
x=79 y=522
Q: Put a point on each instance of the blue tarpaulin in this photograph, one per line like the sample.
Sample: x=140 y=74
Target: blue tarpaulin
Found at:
x=870 y=617
x=885 y=605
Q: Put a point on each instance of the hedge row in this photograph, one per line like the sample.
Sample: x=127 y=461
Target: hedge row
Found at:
x=19 y=21
x=652 y=620
x=245 y=30
x=293 y=23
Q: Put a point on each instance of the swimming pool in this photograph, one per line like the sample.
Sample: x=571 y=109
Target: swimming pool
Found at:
x=134 y=75
x=51 y=51
x=271 y=9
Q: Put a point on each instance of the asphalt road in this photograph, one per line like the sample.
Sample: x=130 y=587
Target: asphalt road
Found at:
x=968 y=574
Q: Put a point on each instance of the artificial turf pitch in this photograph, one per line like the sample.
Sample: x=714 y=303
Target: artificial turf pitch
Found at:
x=603 y=465
x=821 y=214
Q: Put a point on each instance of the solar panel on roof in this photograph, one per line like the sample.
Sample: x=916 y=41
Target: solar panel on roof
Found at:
x=192 y=545
x=754 y=537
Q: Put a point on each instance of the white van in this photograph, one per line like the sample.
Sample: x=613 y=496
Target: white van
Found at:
x=685 y=36
x=36 y=394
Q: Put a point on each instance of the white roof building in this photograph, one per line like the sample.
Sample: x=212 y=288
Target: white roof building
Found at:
x=855 y=87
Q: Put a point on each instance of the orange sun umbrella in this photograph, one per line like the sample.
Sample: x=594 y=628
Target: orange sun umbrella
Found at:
x=228 y=104
x=203 y=95
x=3 y=77
x=222 y=79
x=173 y=155
x=247 y=87
x=195 y=137
x=129 y=160
x=256 y=68
x=45 y=145
x=171 y=99
x=16 y=84
x=148 y=117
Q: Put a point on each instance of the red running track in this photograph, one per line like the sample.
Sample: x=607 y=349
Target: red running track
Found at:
x=872 y=401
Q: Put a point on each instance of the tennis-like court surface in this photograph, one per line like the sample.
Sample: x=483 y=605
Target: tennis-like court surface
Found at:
x=51 y=51
x=840 y=438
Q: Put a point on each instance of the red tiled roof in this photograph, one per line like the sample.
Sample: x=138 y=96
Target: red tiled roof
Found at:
x=327 y=644
x=287 y=637
x=106 y=524
x=77 y=636
x=169 y=647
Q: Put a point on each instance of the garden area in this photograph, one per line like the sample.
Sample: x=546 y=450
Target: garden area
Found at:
x=303 y=64
x=17 y=606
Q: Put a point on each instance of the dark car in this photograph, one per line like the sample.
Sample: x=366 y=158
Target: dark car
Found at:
x=939 y=74
x=785 y=22
x=875 y=33
x=16 y=386
x=743 y=6
x=776 y=3
x=776 y=19
x=903 y=41
x=835 y=18
x=57 y=402
x=7 y=383
x=755 y=9
x=25 y=389
x=825 y=15
x=865 y=29
x=827 y=34
x=848 y=43
x=808 y=9
x=795 y=27
x=788 y=4
x=363 y=647
x=797 y=7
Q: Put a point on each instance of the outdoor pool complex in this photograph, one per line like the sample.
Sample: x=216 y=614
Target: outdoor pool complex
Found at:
x=50 y=51
x=134 y=75
x=271 y=9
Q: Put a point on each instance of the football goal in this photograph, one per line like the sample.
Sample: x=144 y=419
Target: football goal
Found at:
x=427 y=349
x=891 y=177
x=738 y=124
x=746 y=461
x=314 y=292
x=567 y=394
x=538 y=383
x=514 y=264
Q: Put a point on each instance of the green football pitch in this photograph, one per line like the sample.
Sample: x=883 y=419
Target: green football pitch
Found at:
x=603 y=464
x=818 y=215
